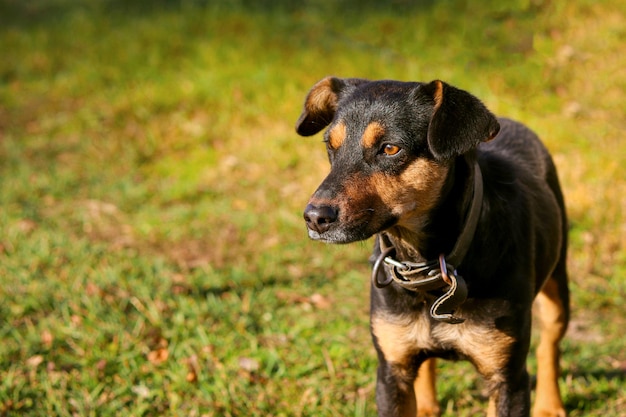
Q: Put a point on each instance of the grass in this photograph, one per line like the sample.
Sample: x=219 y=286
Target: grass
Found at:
x=153 y=259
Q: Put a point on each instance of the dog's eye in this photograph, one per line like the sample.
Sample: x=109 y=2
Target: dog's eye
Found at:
x=390 y=149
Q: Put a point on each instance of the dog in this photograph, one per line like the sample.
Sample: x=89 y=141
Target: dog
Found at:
x=470 y=228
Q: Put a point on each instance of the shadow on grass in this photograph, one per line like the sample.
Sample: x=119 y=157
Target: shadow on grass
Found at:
x=618 y=374
x=232 y=283
x=591 y=390
x=600 y=388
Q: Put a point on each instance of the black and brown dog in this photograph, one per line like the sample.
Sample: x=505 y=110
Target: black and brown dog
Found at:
x=471 y=228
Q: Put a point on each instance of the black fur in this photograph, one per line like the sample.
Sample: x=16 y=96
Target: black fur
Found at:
x=519 y=245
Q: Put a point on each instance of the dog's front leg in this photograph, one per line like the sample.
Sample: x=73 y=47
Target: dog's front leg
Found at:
x=510 y=398
x=394 y=391
x=398 y=362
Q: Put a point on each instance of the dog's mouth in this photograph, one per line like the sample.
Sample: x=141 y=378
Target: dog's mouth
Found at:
x=327 y=237
x=337 y=236
x=327 y=224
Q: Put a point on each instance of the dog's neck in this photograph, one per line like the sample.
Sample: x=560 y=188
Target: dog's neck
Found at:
x=439 y=230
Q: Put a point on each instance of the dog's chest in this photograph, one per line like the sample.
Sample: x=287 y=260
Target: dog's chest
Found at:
x=400 y=337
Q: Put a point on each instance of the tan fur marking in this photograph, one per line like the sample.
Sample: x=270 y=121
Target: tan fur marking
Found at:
x=426 y=390
x=412 y=194
x=487 y=346
x=337 y=135
x=397 y=345
x=408 y=196
x=438 y=96
x=492 y=411
x=373 y=132
x=551 y=315
x=391 y=339
x=399 y=337
x=321 y=97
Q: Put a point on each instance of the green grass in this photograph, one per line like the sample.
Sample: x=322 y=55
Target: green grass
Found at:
x=153 y=259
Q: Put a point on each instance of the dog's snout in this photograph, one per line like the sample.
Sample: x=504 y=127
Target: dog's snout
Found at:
x=320 y=218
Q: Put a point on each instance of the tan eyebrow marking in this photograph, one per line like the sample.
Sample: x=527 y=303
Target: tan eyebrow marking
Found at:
x=372 y=133
x=337 y=135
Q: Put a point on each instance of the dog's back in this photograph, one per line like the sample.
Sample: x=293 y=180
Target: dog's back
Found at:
x=517 y=160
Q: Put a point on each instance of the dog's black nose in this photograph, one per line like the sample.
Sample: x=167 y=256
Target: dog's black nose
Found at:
x=320 y=218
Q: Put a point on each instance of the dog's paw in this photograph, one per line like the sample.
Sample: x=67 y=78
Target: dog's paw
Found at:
x=559 y=412
x=428 y=411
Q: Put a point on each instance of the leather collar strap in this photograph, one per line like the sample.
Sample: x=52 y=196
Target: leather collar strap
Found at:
x=435 y=274
x=467 y=234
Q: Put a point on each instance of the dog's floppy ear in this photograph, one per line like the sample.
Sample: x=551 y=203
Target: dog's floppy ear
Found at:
x=320 y=104
x=459 y=121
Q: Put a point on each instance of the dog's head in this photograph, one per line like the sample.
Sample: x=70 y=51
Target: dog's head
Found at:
x=390 y=146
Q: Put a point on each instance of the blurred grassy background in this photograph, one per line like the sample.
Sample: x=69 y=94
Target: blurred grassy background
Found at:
x=153 y=260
